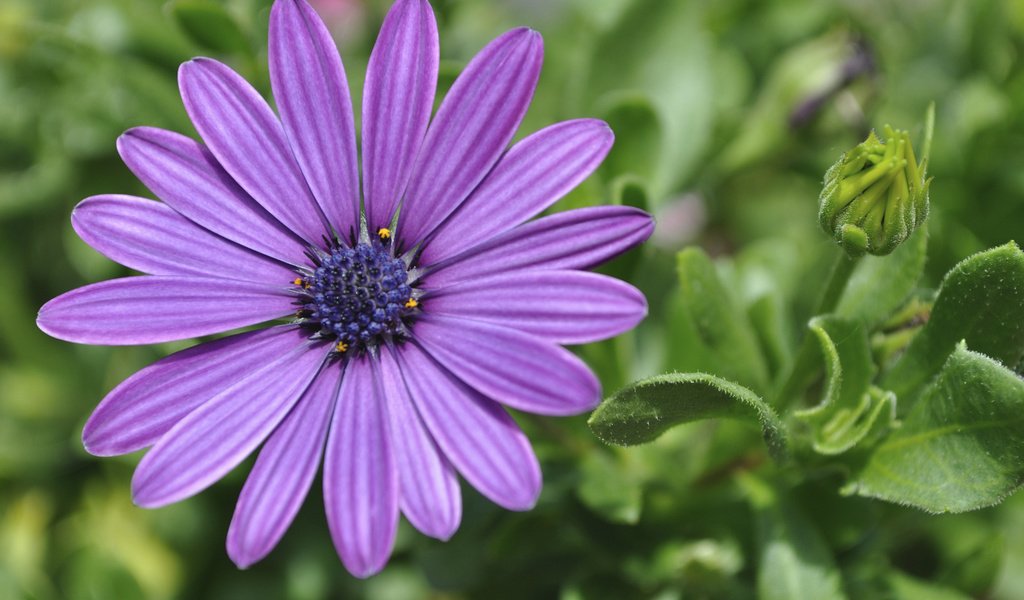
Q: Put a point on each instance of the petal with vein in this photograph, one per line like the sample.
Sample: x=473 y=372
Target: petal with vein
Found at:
x=283 y=473
x=397 y=99
x=475 y=433
x=532 y=176
x=242 y=132
x=472 y=128
x=183 y=173
x=144 y=407
x=512 y=367
x=153 y=238
x=153 y=309
x=564 y=307
x=316 y=110
x=575 y=239
x=214 y=438
x=360 y=480
x=428 y=487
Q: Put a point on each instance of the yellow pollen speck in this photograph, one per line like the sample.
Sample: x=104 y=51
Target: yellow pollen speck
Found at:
x=412 y=303
x=297 y=281
x=384 y=233
x=340 y=347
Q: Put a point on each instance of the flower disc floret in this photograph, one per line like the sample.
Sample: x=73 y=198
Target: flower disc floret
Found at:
x=358 y=296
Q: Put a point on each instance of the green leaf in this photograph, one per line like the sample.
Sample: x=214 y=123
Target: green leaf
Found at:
x=769 y=320
x=794 y=562
x=660 y=51
x=904 y=587
x=609 y=489
x=707 y=332
x=804 y=70
x=638 y=134
x=210 y=26
x=880 y=284
x=961 y=446
x=980 y=302
x=850 y=407
x=644 y=410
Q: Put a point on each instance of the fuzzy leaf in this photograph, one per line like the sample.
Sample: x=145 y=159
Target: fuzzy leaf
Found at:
x=849 y=408
x=644 y=410
x=962 y=445
x=708 y=333
x=980 y=302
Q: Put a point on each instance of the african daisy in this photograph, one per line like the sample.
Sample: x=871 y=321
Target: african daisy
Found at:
x=395 y=324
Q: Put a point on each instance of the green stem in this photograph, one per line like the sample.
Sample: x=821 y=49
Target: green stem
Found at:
x=842 y=268
x=806 y=364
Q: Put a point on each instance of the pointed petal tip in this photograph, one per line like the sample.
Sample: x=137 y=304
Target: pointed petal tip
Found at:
x=528 y=495
x=439 y=529
x=239 y=555
x=365 y=570
x=242 y=563
x=92 y=442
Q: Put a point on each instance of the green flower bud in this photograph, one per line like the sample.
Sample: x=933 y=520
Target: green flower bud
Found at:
x=875 y=195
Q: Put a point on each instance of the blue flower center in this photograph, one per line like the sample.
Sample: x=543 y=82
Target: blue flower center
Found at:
x=358 y=296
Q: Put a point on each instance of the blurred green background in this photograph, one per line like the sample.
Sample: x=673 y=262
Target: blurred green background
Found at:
x=726 y=112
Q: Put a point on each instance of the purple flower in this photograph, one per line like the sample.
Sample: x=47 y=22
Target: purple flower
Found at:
x=403 y=328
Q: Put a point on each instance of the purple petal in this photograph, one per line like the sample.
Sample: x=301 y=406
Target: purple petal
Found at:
x=399 y=94
x=564 y=307
x=512 y=367
x=182 y=173
x=280 y=479
x=534 y=174
x=316 y=110
x=151 y=309
x=575 y=239
x=248 y=141
x=153 y=238
x=476 y=434
x=218 y=435
x=144 y=407
x=429 y=489
x=360 y=480
x=472 y=127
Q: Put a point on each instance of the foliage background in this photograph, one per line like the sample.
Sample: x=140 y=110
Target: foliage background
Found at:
x=724 y=129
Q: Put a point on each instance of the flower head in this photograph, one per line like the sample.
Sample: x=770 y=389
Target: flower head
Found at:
x=875 y=195
x=403 y=319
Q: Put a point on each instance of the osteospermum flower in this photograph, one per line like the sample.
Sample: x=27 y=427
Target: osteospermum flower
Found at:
x=403 y=328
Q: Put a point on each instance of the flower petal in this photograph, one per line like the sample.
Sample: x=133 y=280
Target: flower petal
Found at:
x=248 y=141
x=153 y=238
x=509 y=366
x=360 y=480
x=218 y=435
x=575 y=239
x=475 y=433
x=144 y=407
x=399 y=94
x=280 y=479
x=316 y=110
x=564 y=307
x=472 y=127
x=532 y=176
x=151 y=309
x=429 y=489
x=182 y=173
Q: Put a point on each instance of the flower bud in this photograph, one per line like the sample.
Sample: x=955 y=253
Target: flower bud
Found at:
x=875 y=195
